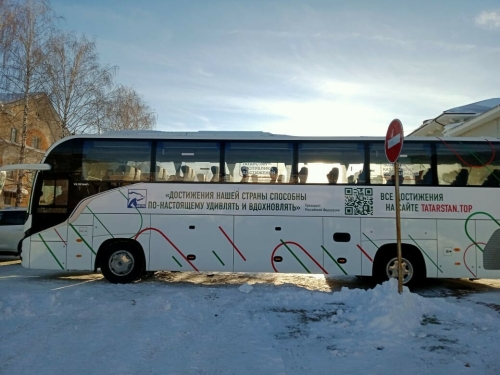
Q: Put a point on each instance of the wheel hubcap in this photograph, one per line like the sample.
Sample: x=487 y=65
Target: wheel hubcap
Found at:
x=392 y=269
x=121 y=263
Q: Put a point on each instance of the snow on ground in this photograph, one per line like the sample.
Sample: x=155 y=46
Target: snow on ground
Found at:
x=54 y=324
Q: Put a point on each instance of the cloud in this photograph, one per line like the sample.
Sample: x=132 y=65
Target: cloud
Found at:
x=489 y=20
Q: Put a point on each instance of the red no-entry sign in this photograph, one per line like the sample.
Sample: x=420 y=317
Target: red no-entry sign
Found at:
x=394 y=140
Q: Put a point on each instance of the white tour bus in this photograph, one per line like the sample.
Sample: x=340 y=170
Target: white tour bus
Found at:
x=134 y=202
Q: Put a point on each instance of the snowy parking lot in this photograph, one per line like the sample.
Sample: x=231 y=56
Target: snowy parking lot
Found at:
x=198 y=323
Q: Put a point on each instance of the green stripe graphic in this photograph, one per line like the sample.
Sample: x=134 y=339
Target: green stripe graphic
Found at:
x=176 y=261
x=85 y=242
x=50 y=251
x=295 y=256
x=220 y=260
x=100 y=222
x=338 y=265
x=370 y=240
x=467 y=232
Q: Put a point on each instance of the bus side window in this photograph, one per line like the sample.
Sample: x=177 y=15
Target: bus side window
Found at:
x=54 y=192
x=493 y=179
x=61 y=197
x=303 y=175
x=47 y=193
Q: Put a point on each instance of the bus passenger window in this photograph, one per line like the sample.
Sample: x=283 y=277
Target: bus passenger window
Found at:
x=61 y=198
x=493 y=179
x=333 y=176
x=258 y=162
x=467 y=164
x=273 y=175
x=330 y=162
x=414 y=162
x=54 y=192
x=215 y=174
x=244 y=174
x=47 y=194
x=187 y=161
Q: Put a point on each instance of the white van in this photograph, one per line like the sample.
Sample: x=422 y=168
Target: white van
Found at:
x=11 y=229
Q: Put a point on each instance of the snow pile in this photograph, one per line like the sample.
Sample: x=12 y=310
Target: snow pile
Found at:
x=383 y=309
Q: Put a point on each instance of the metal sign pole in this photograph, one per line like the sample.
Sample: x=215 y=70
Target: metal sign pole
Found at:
x=398 y=229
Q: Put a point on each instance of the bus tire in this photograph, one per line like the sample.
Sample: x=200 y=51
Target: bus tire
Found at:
x=386 y=263
x=122 y=262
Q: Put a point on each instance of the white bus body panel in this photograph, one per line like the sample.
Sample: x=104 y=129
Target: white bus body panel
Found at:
x=48 y=255
x=347 y=250
x=48 y=248
x=80 y=252
x=55 y=234
x=278 y=244
x=119 y=225
x=455 y=258
x=191 y=243
x=228 y=227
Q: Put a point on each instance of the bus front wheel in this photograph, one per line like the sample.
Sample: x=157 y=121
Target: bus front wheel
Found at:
x=121 y=262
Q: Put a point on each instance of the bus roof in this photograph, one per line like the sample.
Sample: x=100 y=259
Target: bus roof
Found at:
x=246 y=135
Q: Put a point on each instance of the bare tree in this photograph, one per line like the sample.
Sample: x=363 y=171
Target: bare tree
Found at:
x=31 y=22
x=126 y=110
x=7 y=25
x=76 y=83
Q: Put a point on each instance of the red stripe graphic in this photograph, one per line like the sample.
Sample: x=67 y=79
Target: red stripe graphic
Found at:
x=304 y=250
x=364 y=252
x=232 y=243
x=465 y=252
x=467 y=164
x=60 y=237
x=170 y=242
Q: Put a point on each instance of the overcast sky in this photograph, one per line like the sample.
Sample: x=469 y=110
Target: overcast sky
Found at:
x=316 y=67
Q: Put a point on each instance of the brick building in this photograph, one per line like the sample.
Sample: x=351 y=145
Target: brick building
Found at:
x=44 y=128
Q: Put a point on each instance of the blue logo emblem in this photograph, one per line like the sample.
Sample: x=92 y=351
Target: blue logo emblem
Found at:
x=137 y=198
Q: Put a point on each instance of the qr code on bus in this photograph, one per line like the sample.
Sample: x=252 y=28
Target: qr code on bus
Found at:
x=359 y=201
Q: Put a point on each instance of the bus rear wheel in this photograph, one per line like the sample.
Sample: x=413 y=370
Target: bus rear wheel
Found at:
x=121 y=262
x=387 y=267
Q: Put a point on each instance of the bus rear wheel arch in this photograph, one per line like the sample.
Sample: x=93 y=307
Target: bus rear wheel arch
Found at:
x=385 y=264
x=121 y=261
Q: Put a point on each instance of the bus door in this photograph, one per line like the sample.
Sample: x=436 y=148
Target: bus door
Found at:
x=50 y=205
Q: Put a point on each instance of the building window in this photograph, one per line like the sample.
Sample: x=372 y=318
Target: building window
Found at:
x=13 y=135
x=7 y=200
x=36 y=143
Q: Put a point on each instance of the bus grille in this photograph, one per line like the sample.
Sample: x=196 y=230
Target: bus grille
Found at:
x=491 y=255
